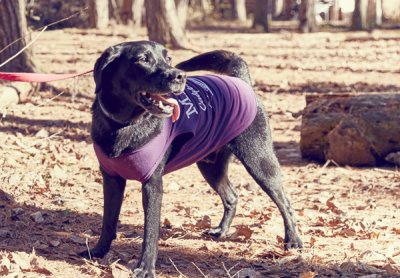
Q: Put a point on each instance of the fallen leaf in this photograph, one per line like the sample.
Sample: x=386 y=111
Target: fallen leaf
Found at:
x=204 y=223
x=167 y=224
x=243 y=231
x=333 y=206
x=349 y=232
x=397 y=231
x=308 y=274
x=312 y=242
x=279 y=239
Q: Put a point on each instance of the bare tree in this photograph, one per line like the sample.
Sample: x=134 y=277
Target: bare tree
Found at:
x=131 y=11
x=334 y=10
x=13 y=28
x=98 y=13
x=137 y=12
x=262 y=14
x=287 y=9
x=239 y=10
x=359 y=18
x=126 y=11
x=367 y=14
x=163 y=25
x=307 y=20
x=182 y=10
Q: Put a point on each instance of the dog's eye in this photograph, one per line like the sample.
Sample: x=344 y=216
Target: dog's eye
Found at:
x=144 y=59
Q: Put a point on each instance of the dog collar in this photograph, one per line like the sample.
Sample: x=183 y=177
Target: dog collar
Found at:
x=107 y=114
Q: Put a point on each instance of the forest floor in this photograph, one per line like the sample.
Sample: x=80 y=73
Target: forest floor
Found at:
x=51 y=192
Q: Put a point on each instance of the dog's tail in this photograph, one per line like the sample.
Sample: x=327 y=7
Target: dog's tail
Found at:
x=219 y=61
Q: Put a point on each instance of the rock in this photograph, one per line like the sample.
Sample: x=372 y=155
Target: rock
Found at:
x=20 y=224
x=37 y=217
x=247 y=273
x=393 y=158
x=356 y=130
x=251 y=187
x=5 y=233
x=59 y=201
x=58 y=173
x=17 y=211
x=88 y=232
x=54 y=243
x=173 y=186
x=78 y=239
x=42 y=133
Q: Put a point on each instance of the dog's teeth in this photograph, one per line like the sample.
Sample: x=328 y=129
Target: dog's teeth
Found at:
x=160 y=104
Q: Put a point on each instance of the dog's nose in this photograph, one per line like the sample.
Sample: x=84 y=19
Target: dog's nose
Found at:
x=177 y=76
x=180 y=77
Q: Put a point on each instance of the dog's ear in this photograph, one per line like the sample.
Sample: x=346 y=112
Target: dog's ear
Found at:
x=108 y=56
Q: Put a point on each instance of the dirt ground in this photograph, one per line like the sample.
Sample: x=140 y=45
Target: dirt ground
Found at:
x=51 y=193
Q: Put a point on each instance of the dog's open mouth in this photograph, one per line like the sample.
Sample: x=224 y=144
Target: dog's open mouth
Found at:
x=162 y=104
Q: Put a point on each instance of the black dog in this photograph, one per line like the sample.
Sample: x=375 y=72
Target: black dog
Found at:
x=135 y=91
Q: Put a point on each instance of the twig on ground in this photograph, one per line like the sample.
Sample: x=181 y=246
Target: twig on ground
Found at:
x=39 y=105
x=329 y=161
x=199 y=270
x=48 y=100
x=228 y=270
x=88 y=249
x=180 y=273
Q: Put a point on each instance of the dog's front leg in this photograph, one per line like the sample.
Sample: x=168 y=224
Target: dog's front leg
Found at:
x=152 y=191
x=113 y=190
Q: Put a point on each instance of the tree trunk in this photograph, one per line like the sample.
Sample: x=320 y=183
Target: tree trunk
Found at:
x=98 y=13
x=307 y=20
x=239 y=10
x=277 y=8
x=137 y=12
x=379 y=12
x=353 y=130
x=359 y=18
x=12 y=28
x=334 y=11
x=163 y=24
x=203 y=7
x=287 y=9
x=126 y=11
x=262 y=14
x=182 y=10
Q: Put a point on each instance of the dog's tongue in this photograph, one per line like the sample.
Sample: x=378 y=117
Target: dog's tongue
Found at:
x=177 y=111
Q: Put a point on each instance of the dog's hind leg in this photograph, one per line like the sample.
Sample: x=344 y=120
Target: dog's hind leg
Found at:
x=215 y=173
x=255 y=150
x=113 y=190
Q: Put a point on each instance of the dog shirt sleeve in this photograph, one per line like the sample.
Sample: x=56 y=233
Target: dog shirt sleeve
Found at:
x=138 y=164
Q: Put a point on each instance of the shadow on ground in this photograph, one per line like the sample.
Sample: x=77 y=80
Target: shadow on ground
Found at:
x=66 y=228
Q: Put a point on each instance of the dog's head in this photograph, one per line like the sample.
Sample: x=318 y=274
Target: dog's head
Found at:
x=139 y=74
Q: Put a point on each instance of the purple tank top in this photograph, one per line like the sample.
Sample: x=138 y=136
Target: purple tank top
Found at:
x=214 y=110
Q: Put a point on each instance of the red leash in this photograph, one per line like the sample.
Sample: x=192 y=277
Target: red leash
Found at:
x=38 y=77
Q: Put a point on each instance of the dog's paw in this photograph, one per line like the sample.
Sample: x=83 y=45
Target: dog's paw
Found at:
x=293 y=243
x=142 y=272
x=215 y=232
x=94 y=253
